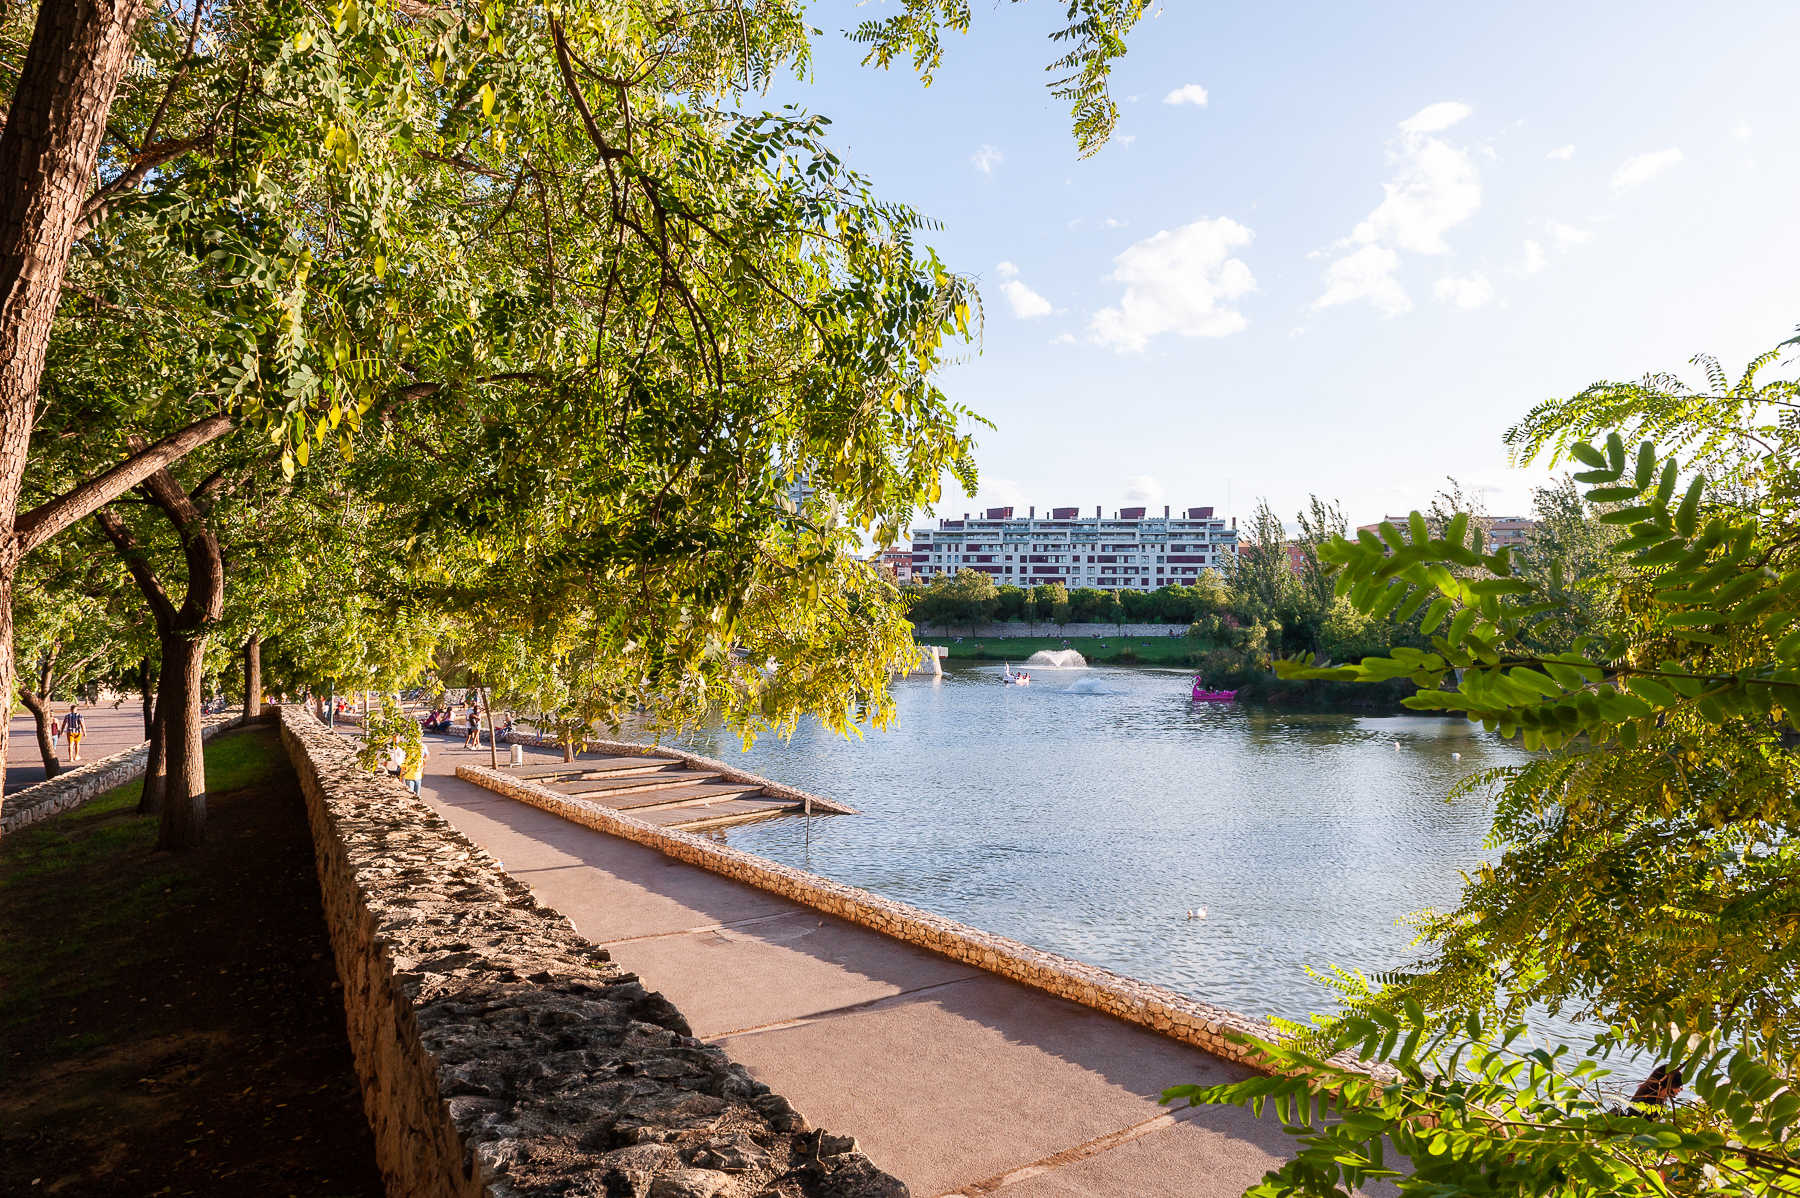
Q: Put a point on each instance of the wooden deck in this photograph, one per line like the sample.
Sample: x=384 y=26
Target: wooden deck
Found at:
x=659 y=790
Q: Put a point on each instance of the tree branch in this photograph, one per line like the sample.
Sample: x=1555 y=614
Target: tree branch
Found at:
x=47 y=519
x=133 y=555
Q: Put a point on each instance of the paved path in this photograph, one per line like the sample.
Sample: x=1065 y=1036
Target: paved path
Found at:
x=954 y=1080
x=109 y=729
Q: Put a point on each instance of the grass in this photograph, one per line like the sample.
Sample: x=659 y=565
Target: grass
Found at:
x=171 y=1023
x=74 y=854
x=1107 y=650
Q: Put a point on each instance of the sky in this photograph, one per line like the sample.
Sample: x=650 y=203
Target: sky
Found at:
x=1335 y=249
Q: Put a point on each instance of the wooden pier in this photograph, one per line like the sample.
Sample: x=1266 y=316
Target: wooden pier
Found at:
x=668 y=792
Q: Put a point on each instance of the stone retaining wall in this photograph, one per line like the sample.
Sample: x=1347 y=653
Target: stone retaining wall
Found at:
x=72 y=788
x=501 y=1054
x=1156 y=1007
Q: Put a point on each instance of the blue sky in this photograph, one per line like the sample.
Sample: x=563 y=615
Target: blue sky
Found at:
x=1336 y=248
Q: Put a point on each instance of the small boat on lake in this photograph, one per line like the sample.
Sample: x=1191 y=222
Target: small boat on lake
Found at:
x=1204 y=694
x=1008 y=678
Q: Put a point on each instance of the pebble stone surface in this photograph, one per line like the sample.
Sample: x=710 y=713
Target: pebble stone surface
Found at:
x=500 y=1053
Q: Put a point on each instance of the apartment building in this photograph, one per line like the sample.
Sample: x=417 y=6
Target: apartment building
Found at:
x=1513 y=531
x=1132 y=550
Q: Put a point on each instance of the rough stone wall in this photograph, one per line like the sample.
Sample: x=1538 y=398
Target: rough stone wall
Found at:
x=1174 y=1015
x=940 y=633
x=72 y=788
x=501 y=1054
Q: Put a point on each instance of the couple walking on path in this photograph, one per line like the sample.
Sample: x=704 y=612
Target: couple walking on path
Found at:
x=70 y=729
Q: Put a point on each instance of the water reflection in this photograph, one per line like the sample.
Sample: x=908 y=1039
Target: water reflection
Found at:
x=1086 y=813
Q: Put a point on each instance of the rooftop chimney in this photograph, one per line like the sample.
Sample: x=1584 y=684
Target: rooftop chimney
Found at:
x=1033 y=510
x=1096 y=511
x=1165 y=511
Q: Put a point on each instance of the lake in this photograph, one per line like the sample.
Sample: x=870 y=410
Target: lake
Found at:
x=1087 y=813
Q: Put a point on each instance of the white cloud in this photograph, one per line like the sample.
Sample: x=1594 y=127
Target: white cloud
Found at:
x=1367 y=274
x=999 y=492
x=1741 y=131
x=1434 y=188
x=1144 y=489
x=1465 y=291
x=1568 y=236
x=1534 y=258
x=1191 y=93
x=1435 y=118
x=987 y=158
x=1641 y=168
x=1181 y=281
x=1125 y=141
x=1113 y=222
x=1063 y=339
x=1562 y=153
x=1026 y=304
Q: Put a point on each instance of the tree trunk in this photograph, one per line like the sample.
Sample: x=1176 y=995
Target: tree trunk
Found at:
x=493 y=732
x=79 y=51
x=568 y=749
x=183 y=818
x=40 y=713
x=156 y=766
x=147 y=684
x=253 y=677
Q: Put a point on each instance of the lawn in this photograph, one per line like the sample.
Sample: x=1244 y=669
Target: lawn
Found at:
x=170 y=1023
x=1110 y=650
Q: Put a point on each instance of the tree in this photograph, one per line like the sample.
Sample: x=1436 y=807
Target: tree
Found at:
x=1647 y=874
x=182 y=636
x=381 y=205
x=1319 y=524
x=1048 y=598
x=974 y=596
x=1261 y=578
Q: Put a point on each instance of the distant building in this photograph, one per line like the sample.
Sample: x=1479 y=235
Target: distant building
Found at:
x=1513 y=531
x=1129 y=551
x=894 y=563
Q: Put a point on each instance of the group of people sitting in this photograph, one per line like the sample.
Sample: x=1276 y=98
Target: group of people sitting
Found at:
x=442 y=718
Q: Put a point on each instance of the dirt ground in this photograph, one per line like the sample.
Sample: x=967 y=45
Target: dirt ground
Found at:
x=172 y=1024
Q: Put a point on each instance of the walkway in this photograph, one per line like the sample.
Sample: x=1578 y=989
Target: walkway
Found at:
x=954 y=1080
x=109 y=729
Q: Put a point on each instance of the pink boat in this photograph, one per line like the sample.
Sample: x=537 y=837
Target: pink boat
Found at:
x=1203 y=695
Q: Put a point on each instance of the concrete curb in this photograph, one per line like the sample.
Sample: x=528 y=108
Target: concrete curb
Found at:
x=1162 y=1010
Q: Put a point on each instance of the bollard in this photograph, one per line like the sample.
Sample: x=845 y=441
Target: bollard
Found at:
x=518 y=755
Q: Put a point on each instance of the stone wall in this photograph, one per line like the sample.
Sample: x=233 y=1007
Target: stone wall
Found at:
x=1174 y=1015
x=501 y=1054
x=938 y=633
x=72 y=788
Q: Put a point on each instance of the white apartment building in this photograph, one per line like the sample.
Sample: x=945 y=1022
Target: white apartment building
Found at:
x=1131 y=551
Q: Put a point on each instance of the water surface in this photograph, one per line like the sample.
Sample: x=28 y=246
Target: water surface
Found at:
x=1087 y=813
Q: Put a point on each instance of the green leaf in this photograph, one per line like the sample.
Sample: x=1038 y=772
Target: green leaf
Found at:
x=1587 y=454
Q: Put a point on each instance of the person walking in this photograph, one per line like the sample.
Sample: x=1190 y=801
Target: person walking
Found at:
x=473 y=739
x=74 y=727
x=412 y=769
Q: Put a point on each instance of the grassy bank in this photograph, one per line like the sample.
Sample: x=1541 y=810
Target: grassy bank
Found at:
x=170 y=1023
x=1099 y=650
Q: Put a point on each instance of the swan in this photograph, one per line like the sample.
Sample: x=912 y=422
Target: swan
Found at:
x=1196 y=913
